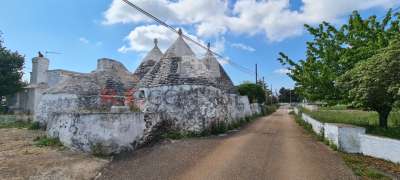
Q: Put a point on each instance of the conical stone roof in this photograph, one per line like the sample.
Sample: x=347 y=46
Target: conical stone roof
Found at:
x=148 y=61
x=217 y=73
x=179 y=48
x=179 y=66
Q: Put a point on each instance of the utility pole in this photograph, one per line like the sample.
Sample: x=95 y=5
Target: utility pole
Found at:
x=256 y=75
x=290 y=94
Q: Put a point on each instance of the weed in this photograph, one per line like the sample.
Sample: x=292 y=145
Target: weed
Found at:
x=47 y=141
x=98 y=150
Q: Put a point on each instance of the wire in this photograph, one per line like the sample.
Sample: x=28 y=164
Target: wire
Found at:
x=239 y=67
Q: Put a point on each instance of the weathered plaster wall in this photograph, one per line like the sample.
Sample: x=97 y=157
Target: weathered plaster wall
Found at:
x=349 y=138
x=345 y=137
x=195 y=107
x=255 y=108
x=105 y=132
x=331 y=132
x=317 y=126
x=380 y=147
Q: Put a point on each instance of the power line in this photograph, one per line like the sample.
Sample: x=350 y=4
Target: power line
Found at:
x=239 y=67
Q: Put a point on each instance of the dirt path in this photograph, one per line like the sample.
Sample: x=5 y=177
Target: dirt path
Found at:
x=20 y=159
x=273 y=147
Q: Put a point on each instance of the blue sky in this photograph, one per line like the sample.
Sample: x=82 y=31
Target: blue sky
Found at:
x=247 y=32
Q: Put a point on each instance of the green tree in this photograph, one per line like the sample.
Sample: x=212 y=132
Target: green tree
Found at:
x=288 y=95
x=254 y=92
x=11 y=65
x=334 y=51
x=375 y=83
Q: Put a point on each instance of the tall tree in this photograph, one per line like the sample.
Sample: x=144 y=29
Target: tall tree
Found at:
x=375 y=83
x=334 y=51
x=11 y=65
x=254 y=92
x=288 y=95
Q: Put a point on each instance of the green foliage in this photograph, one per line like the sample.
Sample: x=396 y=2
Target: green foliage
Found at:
x=11 y=66
x=46 y=141
x=15 y=124
x=288 y=95
x=255 y=92
x=375 y=83
x=34 y=126
x=334 y=51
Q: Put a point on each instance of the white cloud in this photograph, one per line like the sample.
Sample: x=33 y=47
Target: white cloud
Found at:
x=84 y=40
x=243 y=47
x=282 y=71
x=141 y=39
x=212 y=18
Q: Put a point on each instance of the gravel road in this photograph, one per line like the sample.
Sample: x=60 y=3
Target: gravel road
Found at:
x=273 y=147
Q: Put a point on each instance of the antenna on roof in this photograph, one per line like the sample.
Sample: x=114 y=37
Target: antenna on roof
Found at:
x=51 y=52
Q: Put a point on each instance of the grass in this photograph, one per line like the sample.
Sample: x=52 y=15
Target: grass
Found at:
x=362 y=166
x=367 y=119
x=45 y=141
x=11 y=121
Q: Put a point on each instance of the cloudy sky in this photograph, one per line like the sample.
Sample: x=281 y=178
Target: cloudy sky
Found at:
x=245 y=31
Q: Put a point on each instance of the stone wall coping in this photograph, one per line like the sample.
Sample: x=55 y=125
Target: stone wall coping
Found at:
x=345 y=125
x=380 y=138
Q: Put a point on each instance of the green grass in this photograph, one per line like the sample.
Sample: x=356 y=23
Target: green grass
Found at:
x=367 y=119
x=45 y=141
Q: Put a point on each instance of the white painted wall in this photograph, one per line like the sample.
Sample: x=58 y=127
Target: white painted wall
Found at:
x=385 y=148
x=115 y=132
x=352 y=139
x=317 y=126
x=349 y=138
x=331 y=133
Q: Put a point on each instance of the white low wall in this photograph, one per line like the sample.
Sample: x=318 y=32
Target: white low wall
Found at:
x=317 y=126
x=108 y=132
x=344 y=136
x=352 y=139
x=385 y=148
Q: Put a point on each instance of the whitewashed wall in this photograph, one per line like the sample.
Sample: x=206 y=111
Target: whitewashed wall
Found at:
x=331 y=132
x=352 y=139
x=112 y=132
x=385 y=148
x=345 y=137
x=255 y=108
x=317 y=126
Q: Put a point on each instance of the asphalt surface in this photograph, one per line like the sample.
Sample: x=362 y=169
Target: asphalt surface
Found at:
x=273 y=147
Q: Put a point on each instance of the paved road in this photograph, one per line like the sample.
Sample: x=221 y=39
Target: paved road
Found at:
x=273 y=147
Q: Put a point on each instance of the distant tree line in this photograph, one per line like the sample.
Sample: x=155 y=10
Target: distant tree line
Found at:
x=357 y=63
x=288 y=96
x=257 y=93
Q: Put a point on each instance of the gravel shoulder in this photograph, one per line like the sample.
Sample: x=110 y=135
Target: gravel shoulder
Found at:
x=273 y=147
x=21 y=159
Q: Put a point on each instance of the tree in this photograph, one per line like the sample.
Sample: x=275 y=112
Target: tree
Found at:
x=11 y=65
x=254 y=92
x=334 y=51
x=288 y=95
x=375 y=83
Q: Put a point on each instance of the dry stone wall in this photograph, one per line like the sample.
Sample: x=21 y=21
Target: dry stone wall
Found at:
x=195 y=107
